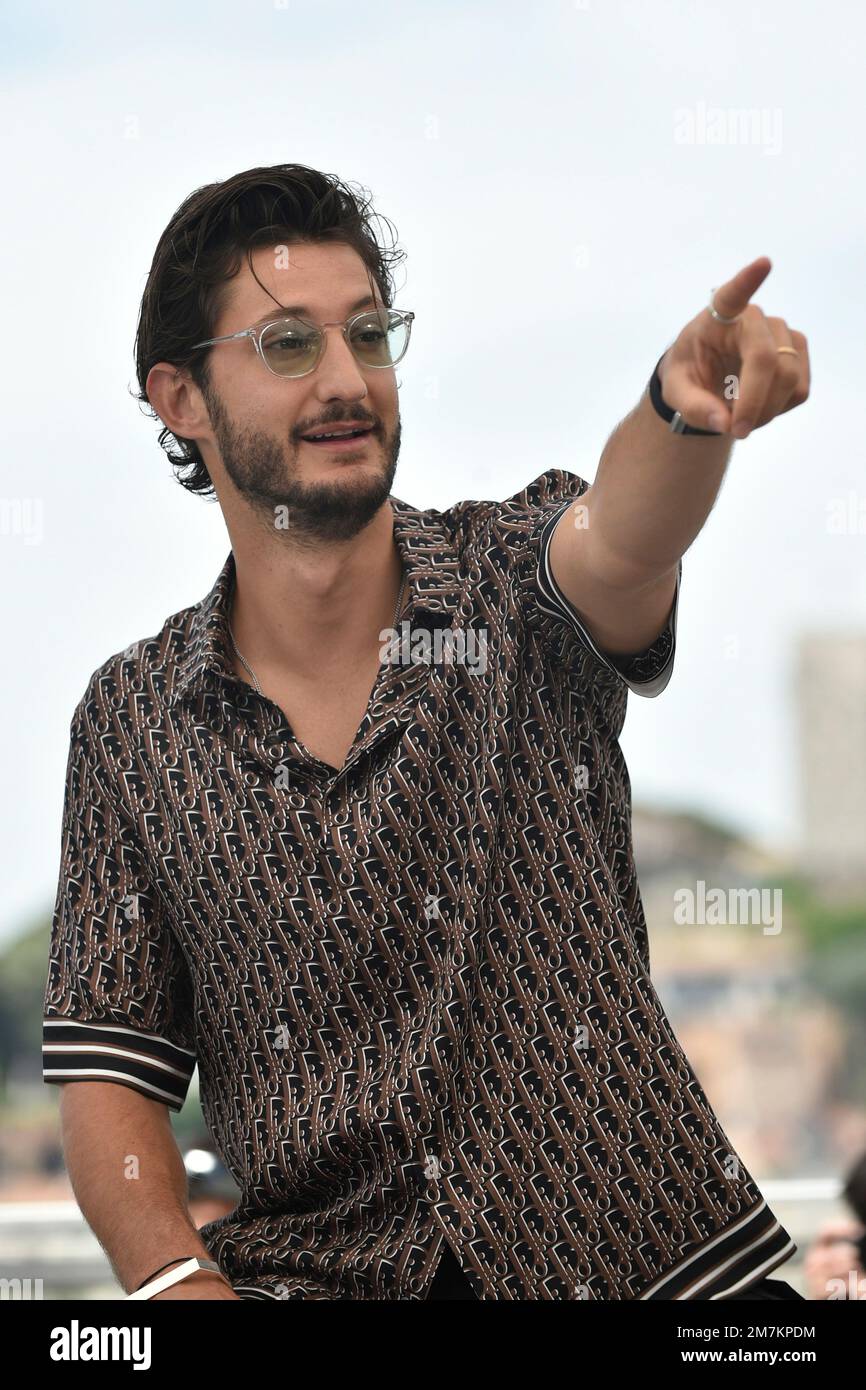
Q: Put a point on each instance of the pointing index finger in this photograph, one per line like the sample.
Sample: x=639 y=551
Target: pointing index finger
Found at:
x=731 y=298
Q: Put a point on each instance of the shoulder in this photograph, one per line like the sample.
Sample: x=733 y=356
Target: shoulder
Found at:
x=475 y=522
x=520 y=525
x=130 y=684
x=554 y=485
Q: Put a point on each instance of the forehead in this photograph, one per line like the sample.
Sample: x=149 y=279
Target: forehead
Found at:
x=325 y=279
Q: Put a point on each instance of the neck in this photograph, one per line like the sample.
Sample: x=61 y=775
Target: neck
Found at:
x=301 y=609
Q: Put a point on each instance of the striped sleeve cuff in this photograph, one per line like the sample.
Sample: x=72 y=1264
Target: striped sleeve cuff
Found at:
x=646 y=673
x=157 y=1068
x=729 y=1262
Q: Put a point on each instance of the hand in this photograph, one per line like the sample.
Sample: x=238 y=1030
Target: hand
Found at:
x=832 y=1256
x=730 y=377
x=201 y=1284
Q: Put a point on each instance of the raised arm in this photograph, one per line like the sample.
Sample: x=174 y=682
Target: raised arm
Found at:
x=615 y=552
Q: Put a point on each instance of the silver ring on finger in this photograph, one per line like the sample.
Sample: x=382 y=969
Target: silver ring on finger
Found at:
x=720 y=318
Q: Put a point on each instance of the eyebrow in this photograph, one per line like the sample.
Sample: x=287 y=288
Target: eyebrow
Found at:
x=303 y=311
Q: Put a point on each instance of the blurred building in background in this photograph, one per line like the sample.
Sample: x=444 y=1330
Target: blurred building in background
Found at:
x=766 y=1042
x=830 y=696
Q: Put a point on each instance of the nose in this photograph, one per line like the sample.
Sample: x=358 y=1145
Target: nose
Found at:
x=338 y=373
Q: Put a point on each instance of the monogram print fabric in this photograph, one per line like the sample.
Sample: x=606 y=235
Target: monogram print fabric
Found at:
x=417 y=988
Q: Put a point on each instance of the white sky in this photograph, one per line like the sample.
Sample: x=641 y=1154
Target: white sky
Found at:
x=528 y=157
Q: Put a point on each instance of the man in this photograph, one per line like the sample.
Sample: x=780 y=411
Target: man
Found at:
x=352 y=834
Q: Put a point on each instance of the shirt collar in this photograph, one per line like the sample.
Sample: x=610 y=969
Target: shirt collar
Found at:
x=432 y=569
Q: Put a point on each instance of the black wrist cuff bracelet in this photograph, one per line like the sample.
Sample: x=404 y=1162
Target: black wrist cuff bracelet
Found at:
x=673 y=417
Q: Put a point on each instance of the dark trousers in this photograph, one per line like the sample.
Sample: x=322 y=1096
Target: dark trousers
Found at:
x=449 y=1282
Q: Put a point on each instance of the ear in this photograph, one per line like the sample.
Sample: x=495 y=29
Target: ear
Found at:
x=177 y=401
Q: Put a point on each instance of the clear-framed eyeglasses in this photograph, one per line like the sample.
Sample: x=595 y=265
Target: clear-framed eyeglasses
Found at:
x=292 y=347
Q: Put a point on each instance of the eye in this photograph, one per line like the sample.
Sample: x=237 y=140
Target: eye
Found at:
x=288 y=339
x=284 y=343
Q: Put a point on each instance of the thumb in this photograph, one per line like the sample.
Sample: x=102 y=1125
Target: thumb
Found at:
x=698 y=406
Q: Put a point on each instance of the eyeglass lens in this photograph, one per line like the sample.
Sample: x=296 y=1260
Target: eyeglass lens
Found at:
x=377 y=338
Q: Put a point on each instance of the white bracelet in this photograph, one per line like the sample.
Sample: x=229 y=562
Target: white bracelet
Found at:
x=174 y=1276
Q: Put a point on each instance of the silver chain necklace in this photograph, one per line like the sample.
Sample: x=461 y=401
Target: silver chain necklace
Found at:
x=248 y=668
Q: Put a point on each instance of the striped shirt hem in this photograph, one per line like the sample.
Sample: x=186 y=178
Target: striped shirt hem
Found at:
x=76 y=1051
x=709 y=1274
x=727 y=1264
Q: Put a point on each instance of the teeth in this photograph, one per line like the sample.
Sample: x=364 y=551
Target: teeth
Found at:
x=344 y=434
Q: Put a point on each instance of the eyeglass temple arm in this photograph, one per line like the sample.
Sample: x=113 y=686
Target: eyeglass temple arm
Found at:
x=226 y=338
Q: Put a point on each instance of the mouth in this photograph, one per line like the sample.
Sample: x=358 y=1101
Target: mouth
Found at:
x=343 y=442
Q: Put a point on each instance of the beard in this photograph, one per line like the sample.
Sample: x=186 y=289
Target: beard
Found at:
x=264 y=473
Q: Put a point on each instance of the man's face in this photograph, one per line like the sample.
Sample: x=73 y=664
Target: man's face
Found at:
x=258 y=419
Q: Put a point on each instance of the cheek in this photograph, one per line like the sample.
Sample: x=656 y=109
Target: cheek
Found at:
x=274 y=409
x=385 y=402
x=251 y=402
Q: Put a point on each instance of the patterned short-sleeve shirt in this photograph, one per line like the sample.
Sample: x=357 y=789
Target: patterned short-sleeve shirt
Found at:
x=417 y=988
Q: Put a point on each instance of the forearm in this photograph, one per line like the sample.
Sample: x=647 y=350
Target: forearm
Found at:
x=128 y=1178
x=652 y=493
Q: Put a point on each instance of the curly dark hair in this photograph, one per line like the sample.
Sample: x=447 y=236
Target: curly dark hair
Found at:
x=201 y=251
